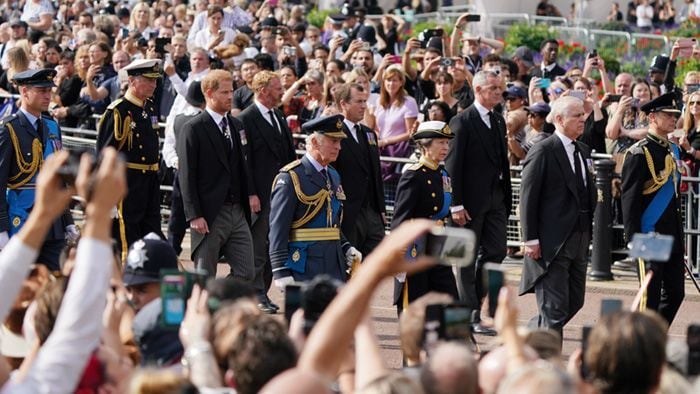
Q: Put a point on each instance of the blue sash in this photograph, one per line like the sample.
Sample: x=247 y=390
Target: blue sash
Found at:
x=662 y=198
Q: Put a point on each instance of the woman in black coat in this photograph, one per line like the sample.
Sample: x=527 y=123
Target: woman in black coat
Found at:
x=425 y=191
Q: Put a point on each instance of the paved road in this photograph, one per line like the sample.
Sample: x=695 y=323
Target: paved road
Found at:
x=623 y=287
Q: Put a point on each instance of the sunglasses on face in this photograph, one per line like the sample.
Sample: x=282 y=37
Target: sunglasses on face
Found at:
x=556 y=91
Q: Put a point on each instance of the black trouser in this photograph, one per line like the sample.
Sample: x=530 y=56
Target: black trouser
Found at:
x=561 y=291
x=490 y=230
x=177 y=224
x=261 y=255
x=139 y=211
x=667 y=287
x=367 y=230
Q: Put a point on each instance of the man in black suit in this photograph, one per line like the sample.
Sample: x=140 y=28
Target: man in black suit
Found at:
x=269 y=148
x=557 y=199
x=478 y=164
x=214 y=182
x=549 y=67
x=360 y=172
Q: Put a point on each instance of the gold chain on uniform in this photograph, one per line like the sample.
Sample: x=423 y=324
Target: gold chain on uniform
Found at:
x=313 y=203
x=660 y=180
x=25 y=169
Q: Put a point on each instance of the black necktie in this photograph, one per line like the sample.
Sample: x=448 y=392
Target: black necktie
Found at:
x=40 y=129
x=275 y=125
x=492 y=119
x=225 y=131
x=577 y=167
x=357 y=132
x=325 y=176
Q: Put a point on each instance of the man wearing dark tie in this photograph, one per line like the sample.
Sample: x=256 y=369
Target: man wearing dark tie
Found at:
x=269 y=147
x=557 y=200
x=549 y=49
x=481 y=192
x=360 y=172
x=214 y=183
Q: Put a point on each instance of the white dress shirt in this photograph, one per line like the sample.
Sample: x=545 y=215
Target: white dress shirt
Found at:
x=351 y=127
x=315 y=163
x=569 y=148
x=266 y=115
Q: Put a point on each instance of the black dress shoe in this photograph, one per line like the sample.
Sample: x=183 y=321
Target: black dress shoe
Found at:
x=477 y=328
x=272 y=304
x=267 y=308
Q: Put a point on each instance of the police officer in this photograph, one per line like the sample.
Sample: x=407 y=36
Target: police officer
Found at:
x=651 y=202
x=130 y=124
x=425 y=191
x=306 y=211
x=27 y=138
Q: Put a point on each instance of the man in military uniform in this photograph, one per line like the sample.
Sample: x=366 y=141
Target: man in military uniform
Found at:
x=651 y=202
x=130 y=124
x=27 y=138
x=306 y=211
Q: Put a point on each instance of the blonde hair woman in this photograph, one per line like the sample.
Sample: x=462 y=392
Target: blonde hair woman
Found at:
x=18 y=59
x=394 y=118
x=140 y=21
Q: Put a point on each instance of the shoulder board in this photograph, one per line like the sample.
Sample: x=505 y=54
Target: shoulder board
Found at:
x=290 y=166
x=637 y=148
x=114 y=103
x=414 y=166
x=8 y=119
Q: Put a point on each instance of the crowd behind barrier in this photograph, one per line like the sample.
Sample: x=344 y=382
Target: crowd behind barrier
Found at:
x=121 y=314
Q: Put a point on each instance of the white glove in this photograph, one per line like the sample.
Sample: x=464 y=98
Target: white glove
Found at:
x=351 y=255
x=282 y=283
x=72 y=232
x=4 y=239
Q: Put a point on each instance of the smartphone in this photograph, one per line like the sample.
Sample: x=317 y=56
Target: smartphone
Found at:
x=446 y=62
x=494 y=282
x=365 y=46
x=651 y=247
x=161 y=42
x=433 y=329
x=125 y=32
x=290 y=51
x=635 y=103
x=686 y=46
x=173 y=298
x=395 y=59
x=610 y=305
x=456 y=320
x=614 y=98
x=68 y=171
x=272 y=3
x=473 y=18
x=578 y=94
x=585 y=333
x=292 y=301
x=693 y=339
x=451 y=245
x=544 y=83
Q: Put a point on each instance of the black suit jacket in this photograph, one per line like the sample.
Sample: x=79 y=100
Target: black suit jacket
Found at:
x=474 y=165
x=266 y=151
x=205 y=168
x=360 y=172
x=550 y=202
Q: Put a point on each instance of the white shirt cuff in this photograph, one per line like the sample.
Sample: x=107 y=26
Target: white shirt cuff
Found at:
x=457 y=208
x=532 y=242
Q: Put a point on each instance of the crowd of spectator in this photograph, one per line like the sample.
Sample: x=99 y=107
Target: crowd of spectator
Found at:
x=100 y=325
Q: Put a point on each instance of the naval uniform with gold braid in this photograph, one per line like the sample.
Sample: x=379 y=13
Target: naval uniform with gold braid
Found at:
x=651 y=203
x=424 y=191
x=305 y=217
x=131 y=126
x=23 y=150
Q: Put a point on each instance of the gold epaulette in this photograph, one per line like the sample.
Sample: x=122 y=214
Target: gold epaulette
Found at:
x=290 y=166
